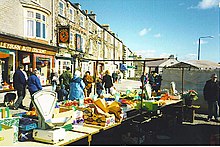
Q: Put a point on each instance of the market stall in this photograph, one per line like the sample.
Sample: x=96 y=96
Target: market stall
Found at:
x=65 y=122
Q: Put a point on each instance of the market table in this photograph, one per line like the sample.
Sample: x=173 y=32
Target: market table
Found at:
x=85 y=129
x=70 y=137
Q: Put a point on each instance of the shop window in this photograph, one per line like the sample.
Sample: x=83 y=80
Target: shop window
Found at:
x=43 y=64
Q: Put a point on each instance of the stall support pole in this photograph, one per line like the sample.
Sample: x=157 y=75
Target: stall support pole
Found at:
x=95 y=74
x=142 y=89
x=182 y=79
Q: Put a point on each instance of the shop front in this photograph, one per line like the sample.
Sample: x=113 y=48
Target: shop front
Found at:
x=15 y=51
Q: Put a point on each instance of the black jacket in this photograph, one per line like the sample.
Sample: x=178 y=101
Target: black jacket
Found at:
x=211 y=90
x=107 y=81
x=19 y=80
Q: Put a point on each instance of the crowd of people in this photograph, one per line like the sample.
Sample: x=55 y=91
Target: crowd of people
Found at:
x=73 y=87
x=68 y=86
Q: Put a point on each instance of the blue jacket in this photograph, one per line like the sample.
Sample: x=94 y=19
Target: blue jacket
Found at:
x=76 y=88
x=19 y=80
x=34 y=84
x=99 y=88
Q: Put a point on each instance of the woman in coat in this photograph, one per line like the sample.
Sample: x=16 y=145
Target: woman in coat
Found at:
x=76 y=87
x=34 y=85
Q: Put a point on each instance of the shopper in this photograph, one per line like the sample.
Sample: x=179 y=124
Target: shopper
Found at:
x=107 y=81
x=119 y=76
x=88 y=80
x=19 y=82
x=54 y=79
x=65 y=79
x=62 y=94
x=211 y=95
x=76 y=87
x=99 y=87
x=34 y=85
x=114 y=77
x=153 y=81
x=144 y=78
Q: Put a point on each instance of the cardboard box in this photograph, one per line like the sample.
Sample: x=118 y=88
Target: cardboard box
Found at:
x=14 y=123
x=148 y=105
x=100 y=120
x=6 y=135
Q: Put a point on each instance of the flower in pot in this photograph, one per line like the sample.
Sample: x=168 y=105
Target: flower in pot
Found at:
x=189 y=96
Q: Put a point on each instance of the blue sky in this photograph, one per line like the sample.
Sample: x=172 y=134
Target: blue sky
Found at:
x=159 y=28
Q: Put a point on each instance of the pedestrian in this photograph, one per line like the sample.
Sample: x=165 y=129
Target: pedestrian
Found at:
x=34 y=85
x=211 y=95
x=99 y=87
x=20 y=83
x=119 y=76
x=144 y=78
x=114 y=76
x=54 y=79
x=88 y=80
x=153 y=81
x=76 y=87
x=65 y=79
x=107 y=81
x=62 y=93
x=29 y=72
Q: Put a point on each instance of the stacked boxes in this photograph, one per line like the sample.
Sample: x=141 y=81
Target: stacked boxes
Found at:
x=5 y=135
x=97 y=119
x=14 y=123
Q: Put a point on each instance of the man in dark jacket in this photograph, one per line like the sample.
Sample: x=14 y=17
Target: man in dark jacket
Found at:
x=65 y=79
x=211 y=95
x=107 y=81
x=19 y=83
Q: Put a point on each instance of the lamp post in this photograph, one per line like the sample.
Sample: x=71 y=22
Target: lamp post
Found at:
x=200 y=45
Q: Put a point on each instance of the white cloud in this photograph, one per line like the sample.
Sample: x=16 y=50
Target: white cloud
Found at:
x=206 y=4
x=187 y=57
x=146 y=53
x=151 y=53
x=157 y=35
x=144 y=31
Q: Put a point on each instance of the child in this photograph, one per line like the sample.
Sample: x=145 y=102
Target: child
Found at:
x=62 y=93
x=99 y=87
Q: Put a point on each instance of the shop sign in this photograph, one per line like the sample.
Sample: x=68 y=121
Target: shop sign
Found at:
x=24 y=48
x=64 y=35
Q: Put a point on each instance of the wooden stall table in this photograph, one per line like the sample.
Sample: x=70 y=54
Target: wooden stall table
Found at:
x=70 y=138
x=87 y=130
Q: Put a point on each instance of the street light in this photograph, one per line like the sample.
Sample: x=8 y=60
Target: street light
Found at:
x=199 y=44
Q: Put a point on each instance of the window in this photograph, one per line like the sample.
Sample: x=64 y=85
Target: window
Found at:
x=71 y=14
x=83 y=44
x=90 y=46
x=36 y=25
x=71 y=39
x=90 y=26
x=81 y=21
x=61 y=8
